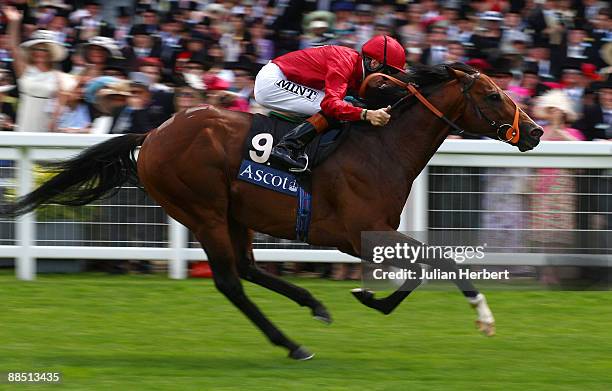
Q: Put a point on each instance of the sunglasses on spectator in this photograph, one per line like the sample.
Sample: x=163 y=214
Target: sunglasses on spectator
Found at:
x=42 y=50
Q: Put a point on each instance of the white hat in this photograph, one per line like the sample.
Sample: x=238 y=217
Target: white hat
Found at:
x=58 y=50
x=54 y=4
x=318 y=24
x=216 y=8
x=194 y=81
x=606 y=53
x=104 y=42
x=492 y=15
x=557 y=99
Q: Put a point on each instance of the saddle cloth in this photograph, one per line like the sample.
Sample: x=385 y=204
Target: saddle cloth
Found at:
x=265 y=132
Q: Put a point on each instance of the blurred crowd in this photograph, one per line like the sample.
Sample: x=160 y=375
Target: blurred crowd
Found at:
x=172 y=55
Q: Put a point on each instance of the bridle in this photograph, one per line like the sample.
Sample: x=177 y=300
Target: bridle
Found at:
x=509 y=133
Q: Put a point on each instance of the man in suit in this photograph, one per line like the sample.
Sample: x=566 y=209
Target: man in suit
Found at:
x=143 y=45
x=596 y=120
x=437 y=50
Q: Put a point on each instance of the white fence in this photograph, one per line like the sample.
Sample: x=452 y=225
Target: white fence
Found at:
x=20 y=151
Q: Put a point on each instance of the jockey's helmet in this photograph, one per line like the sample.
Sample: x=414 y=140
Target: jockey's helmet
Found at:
x=386 y=51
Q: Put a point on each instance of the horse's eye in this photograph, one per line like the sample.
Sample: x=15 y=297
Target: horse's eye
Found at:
x=495 y=97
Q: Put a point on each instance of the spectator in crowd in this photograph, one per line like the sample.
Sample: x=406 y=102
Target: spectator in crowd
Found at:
x=39 y=83
x=344 y=27
x=122 y=27
x=109 y=98
x=412 y=33
x=191 y=94
x=596 y=120
x=73 y=115
x=138 y=117
x=171 y=39
x=574 y=83
x=554 y=203
x=91 y=22
x=153 y=68
x=364 y=26
x=98 y=52
x=436 y=50
x=488 y=36
x=317 y=34
x=235 y=41
x=150 y=19
x=244 y=82
x=263 y=46
x=142 y=45
x=7 y=102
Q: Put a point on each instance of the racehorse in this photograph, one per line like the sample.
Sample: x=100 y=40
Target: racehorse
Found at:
x=189 y=166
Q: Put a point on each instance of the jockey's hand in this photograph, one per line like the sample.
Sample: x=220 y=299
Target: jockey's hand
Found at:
x=379 y=117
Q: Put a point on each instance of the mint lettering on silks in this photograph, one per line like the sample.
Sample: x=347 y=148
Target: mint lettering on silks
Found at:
x=268 y=177
x=297 y=89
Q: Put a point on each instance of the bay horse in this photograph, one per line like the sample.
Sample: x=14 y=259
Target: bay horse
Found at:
x=189 y=166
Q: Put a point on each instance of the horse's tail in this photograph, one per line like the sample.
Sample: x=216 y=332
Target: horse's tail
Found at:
x=93 y=173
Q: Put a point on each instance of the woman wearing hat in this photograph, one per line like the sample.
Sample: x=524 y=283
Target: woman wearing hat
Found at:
x=554 y=188
x=98 y=52
x=39 y=83
x=555 y=109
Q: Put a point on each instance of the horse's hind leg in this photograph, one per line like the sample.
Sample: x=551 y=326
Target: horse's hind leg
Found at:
x=249 y=271
x=387 y=304
x=218 y=246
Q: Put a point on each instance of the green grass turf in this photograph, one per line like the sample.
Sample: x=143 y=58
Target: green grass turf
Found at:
x=151 y=333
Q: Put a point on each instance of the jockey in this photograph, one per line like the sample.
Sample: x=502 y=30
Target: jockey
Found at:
x=315 y=82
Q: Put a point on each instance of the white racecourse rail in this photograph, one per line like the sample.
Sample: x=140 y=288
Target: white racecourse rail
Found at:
x=27 y=148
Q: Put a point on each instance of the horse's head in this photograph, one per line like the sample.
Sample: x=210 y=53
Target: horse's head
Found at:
x=490 y=112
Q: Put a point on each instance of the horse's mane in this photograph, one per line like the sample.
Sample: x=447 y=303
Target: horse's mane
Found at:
x=426 y=75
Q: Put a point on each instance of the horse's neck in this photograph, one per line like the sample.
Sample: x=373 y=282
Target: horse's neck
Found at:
x=413 y=139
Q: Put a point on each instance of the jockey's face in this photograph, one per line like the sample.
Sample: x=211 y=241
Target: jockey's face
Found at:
x=374 y=64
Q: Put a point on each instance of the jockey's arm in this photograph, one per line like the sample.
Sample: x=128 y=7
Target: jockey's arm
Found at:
x=339 y=71
x=336 y=86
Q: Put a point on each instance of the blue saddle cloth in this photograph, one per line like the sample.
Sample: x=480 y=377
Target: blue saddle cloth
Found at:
x=255 y=168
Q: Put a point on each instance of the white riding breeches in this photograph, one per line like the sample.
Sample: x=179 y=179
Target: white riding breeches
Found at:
x=274 y=91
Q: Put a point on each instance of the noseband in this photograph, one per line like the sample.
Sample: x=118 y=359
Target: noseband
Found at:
x=509 y=133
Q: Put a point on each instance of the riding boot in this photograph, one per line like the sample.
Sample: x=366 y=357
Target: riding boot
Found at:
x=290 y=149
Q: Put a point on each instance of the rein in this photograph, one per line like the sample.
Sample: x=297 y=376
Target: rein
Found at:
x=509 y=133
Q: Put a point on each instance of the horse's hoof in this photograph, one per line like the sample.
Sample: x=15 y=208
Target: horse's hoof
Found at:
x=364 y=296
x=301 y=354
x=488 y=329
x=320 y=313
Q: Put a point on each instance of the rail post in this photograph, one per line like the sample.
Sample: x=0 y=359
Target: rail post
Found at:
x=25 y=226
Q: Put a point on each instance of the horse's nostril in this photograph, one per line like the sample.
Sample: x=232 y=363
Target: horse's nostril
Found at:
x=536 y=133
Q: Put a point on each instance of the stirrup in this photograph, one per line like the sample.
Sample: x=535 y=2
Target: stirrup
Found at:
x=299 y=170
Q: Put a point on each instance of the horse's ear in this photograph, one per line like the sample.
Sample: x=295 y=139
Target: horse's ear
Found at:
x=454 y=73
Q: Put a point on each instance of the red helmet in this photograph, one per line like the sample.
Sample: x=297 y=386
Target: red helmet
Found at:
x=385 y=50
